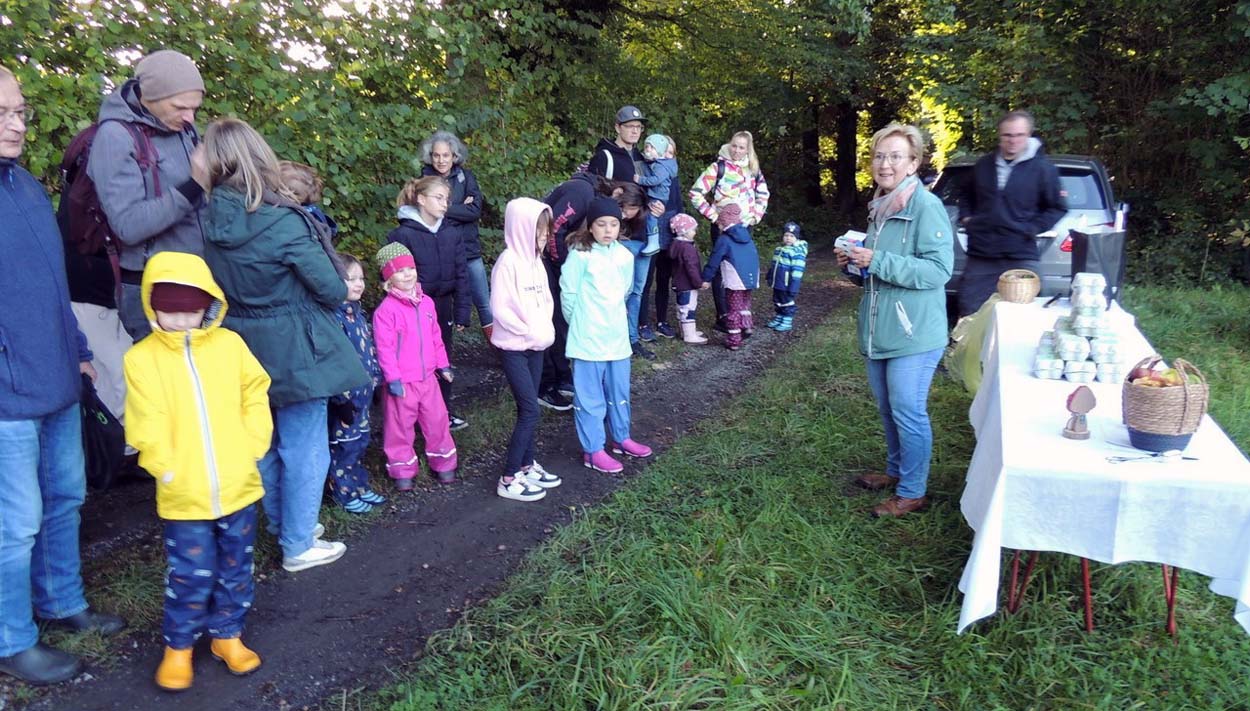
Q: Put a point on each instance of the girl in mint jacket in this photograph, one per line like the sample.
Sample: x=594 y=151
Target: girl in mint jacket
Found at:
x=596 y=278
x=909 y=255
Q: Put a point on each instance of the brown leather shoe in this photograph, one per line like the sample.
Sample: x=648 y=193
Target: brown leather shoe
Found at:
x=876 y=482
x=898 y=506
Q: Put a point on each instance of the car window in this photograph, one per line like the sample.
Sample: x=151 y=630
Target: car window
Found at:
x=951 y=182
x=1081 y=190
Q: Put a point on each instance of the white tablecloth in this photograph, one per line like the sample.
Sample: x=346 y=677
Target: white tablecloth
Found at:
x=1029 y=488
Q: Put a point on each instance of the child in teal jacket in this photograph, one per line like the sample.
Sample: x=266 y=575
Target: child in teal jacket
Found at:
x=786 y=275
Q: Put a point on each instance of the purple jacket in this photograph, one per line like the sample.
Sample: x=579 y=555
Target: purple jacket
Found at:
x=686 y=268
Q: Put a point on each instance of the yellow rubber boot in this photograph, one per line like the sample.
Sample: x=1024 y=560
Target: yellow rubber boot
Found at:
x=175 y=673
x=239 y=659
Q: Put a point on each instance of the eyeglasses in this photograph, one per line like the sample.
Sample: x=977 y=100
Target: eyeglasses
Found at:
x=25 y=113
x=889 y=159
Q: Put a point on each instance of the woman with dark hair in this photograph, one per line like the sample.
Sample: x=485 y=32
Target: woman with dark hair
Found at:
x=443 y=155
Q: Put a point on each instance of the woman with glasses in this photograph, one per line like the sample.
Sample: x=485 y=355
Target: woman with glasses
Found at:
x=734 y=177
x=908 y=257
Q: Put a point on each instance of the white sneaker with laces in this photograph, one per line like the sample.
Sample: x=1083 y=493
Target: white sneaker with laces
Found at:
x=541 y=477
x=319 y=531
x=321 y=553
x=520 y=489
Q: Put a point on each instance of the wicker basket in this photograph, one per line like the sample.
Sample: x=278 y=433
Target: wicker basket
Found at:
x=1019 y=286
x=1160 y=419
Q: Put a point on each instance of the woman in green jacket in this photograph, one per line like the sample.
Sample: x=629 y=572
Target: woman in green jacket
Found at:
x=908 y=255
x=283 y=289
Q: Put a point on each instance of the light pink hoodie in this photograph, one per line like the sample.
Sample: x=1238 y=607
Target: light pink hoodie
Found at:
x=520 y=299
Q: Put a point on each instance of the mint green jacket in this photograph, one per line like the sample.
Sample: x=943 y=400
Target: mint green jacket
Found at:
x=593 y=287
x=903 y=310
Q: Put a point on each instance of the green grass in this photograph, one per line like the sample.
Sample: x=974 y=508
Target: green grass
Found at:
x=742 y=572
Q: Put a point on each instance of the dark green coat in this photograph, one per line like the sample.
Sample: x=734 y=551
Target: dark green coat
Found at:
x=282 y=291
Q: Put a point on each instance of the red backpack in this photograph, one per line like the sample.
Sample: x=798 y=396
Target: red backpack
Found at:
x=84 y=226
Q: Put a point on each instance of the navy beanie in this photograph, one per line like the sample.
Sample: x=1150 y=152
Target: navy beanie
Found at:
x=602 y=207
x=793 y=228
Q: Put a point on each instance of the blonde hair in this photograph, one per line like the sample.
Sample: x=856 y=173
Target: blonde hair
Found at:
x=912 y=135
x=303 y=182
x=239 y=158
x=419 y=186
x=753 y=161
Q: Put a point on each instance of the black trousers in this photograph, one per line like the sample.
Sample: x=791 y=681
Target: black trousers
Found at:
x=445 y=307
x=661 y=275
x=556 y=370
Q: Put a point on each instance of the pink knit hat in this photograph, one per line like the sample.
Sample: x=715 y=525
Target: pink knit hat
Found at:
x=682 y=223
x=729 y=216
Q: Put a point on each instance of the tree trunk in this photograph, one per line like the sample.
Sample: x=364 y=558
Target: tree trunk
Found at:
x=810 y=161
x=847 y=124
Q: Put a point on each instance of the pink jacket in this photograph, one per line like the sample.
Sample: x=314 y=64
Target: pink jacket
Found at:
x=410 y=345
x=520 y=298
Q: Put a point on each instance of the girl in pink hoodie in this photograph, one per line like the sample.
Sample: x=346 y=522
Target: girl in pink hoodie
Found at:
x=521 y=303
x=412 y=357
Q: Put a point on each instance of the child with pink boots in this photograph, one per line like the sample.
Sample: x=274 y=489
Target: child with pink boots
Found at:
x=687 y=280
x=412 y=356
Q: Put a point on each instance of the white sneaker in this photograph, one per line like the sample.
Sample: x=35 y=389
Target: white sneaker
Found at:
x=321 y=553
x=319 y=531
x=541 y=477
x=520 y=489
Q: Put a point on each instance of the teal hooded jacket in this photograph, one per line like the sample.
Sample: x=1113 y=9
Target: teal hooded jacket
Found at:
x=903 y=310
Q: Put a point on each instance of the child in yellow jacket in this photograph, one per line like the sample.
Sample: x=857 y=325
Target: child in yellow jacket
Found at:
x=197 y=409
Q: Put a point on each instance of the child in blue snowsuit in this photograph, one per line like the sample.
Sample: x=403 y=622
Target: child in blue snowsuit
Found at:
x=786 y=275
x=657 y=178
x=349 y=411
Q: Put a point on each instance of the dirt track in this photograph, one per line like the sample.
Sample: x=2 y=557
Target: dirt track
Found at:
x=343 y=626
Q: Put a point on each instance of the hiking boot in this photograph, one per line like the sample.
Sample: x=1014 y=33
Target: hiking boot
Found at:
x=665 y=330
x=897 y=506
x=541 y=477
x=555 y=401
x=447 y=477
x=566 y=389
x=645 y=334
x=41 y=665
x=174 y=672
x=876 y=482
x=720 y=326
x=640 y=351
x=455 y=423
x=240 y=660
x=90 y=621
x=632 y=448
x=690 y=334
x=601 y=461
x=321 y=553
x=520 y=488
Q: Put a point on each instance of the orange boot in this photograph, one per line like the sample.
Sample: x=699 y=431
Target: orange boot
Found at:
x=175 y=673
x=239 y=659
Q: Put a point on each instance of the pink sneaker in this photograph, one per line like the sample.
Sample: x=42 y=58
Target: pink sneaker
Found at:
x=632 y=448
x=601 y=461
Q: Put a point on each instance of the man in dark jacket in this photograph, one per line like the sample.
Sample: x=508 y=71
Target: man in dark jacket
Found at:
x=1013 y=196
x=620 y=160
x=151 y=209
x=42 y=470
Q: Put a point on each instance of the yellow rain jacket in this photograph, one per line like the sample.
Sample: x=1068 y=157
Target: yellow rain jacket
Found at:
x=197 y=405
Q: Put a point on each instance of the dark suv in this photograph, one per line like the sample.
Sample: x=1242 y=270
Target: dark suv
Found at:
x=1083 y=182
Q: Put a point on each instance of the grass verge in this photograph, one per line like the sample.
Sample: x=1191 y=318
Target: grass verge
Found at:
x=742 y=572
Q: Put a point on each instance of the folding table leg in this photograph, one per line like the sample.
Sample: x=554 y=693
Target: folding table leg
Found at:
x=1170 y=575
x=1016 y=595
x=1089 y=601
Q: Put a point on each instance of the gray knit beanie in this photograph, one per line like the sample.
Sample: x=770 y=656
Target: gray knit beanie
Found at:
x=165 y=73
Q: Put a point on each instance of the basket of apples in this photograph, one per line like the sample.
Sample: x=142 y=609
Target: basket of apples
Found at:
x=1163 y=406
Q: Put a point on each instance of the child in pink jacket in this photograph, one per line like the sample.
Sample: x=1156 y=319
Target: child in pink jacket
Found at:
x=521 y=302
x=412 y=357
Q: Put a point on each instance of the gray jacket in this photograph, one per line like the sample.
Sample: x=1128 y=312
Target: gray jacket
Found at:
x=145 y=224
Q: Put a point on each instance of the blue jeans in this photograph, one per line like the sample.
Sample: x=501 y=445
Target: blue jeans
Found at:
x=633 y=302
x=294 y=473
x=600 y=388
x=524 y=371
x=479 y=291
x=42 y=485
x=208 y=584
x=901 y=386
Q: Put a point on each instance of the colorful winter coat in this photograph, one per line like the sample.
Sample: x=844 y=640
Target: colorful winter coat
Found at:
x=355 y=322
x=520 y=297
x=736 y=185
x=197 y=405
x=409 y=341
x=593 y=286
x=789 y=261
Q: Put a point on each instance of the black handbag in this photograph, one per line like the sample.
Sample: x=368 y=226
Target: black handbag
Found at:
x=103 y=439
x=1101 y=253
